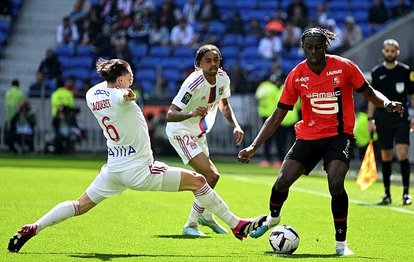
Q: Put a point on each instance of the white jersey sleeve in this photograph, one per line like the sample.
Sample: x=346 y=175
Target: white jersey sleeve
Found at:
x=194 y=92
x=123 y=125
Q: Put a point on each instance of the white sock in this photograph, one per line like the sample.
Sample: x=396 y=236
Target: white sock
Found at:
x=195 y=213
x=212 y=201
x=59 y=213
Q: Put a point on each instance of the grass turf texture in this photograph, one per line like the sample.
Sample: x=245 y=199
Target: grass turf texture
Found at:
x=146 y=226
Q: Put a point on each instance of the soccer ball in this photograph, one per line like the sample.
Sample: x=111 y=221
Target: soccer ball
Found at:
x=284 y=239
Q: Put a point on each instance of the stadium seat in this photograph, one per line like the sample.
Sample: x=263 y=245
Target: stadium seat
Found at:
x=138 y=50
x=146 y=74
x=79 y=73
x=250 y=52
x=148 y=62
x=159 y=51
x=84 y=50
x=81 y=62
x=64 y=50
x=181 y=51
x=230 y=52
x=171 y=74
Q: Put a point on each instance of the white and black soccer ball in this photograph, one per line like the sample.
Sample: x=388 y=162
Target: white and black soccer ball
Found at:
x=284 y=239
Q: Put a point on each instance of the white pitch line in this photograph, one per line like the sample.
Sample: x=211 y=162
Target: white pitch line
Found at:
x=321 y=194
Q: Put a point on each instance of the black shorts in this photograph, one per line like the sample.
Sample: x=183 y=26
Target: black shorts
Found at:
x=310 y=152
x=392 y=129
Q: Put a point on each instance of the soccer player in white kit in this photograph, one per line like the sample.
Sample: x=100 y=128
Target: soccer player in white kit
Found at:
x=130 y=161
x=192 y=115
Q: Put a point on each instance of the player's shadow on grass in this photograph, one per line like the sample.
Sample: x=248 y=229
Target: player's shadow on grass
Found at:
x=180 y=236
x=302 y=256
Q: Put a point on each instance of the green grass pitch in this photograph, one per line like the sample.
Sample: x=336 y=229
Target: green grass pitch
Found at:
x=146 y=226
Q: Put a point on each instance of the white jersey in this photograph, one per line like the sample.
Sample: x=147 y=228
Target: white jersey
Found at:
x=124 y=127
x=194 y=92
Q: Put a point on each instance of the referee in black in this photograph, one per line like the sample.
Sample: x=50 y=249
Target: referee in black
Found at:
x=396 y=81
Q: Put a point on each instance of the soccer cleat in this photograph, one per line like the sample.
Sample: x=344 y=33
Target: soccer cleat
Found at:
x=385 y=201
x=192 y=231
x=342 y=249
x=244 y=227
x=259 y=231
x=21 y=237
x=216 y=227
x=407 y=199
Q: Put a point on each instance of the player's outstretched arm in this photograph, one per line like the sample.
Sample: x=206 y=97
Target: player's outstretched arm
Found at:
x=268 y=128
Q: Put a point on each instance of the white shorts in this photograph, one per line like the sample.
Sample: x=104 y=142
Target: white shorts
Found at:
x=157 y=177
x=188 y=146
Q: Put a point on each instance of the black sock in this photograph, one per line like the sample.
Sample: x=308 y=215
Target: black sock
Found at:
x=405 y=174
x=276 y=201
x=339 y=207
x=386 y=175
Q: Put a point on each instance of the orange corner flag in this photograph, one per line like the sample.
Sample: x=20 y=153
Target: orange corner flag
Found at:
x=368 y=172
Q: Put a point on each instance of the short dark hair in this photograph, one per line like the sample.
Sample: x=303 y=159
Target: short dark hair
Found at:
x=317 y=31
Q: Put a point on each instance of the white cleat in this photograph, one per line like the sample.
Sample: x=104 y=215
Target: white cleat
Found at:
x=342 y=249
x=193 y=231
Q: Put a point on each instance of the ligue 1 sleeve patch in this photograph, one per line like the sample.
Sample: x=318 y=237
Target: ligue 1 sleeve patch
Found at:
x=186 y=98
x=412 y=76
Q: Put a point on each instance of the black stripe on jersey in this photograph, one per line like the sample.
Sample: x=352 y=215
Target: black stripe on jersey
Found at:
x=284 y=106
x=362 y=88
x=340 y=114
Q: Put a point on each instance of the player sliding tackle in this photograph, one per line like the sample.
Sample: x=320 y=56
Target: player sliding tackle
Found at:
x=113 y=104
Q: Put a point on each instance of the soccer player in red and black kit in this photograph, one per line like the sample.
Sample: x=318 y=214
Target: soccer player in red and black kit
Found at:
x=325 y=84
x=396 y=81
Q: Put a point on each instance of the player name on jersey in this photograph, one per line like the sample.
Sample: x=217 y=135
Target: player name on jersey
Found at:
x=101 y=104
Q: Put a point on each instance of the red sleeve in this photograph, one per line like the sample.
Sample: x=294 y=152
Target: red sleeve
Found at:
x=355 y=75
x=290 y=93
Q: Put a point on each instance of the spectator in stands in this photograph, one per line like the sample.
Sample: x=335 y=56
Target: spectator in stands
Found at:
x=39 y=88
x=335 y=45
x=182 y=34
x=140 y=5
x=166 y=14
x=190 y=11
x=86 y=32
x=6 y=9
x=377 y=15
x=291 y=36
x=20 y=133
x=239 y=83
x=125 y=6
x=298 y=18
x=14 y=97
x=50 y=68
x=352 y=34
x=254 y=28
x=235 y=25
x=290 y=9
x=67 y=32
x=159 y=34
x=400 y=8
x=64 y=121
x=205 y=34
x=77 y=15
x=102 y=44
x=209 y=10
x=120 y=26
x=159 y=139
x=270 y=45
x=322 y=15
x=121 y=51
x=138 y=32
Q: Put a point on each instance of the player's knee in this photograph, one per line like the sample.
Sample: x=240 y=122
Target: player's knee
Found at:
x=199 y=181
x=212 y=178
